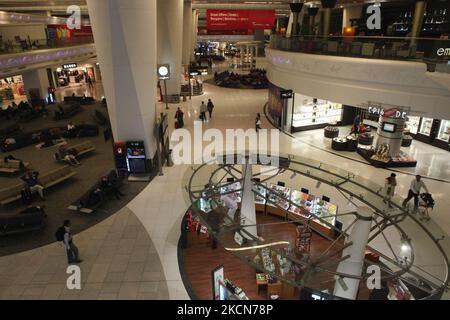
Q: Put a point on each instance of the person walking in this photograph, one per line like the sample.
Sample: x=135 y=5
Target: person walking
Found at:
x=414 y=191
x=179 y=116
x=30 y=179
x=71 y=248
x=258 y=122
x=203 y=110
x=389 y=188
x=210 y=108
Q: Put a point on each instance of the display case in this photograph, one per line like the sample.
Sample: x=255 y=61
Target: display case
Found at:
x=311 y=111
x=323 y=210
x=412 y=124
x=260 y=194
x=236 y=195
x=425 y=127
x=444 y=131
x=301 y=200
x=278 y=196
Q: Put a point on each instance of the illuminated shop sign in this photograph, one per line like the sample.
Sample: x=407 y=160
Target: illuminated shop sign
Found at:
x=286 y=94
x=196 y=71
x=443 y=52
x=69 y=66
x=387 y=113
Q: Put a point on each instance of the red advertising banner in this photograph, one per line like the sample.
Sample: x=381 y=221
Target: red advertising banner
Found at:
x=240 y=19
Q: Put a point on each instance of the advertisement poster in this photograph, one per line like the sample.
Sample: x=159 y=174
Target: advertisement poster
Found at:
x=217 y=277
x=240 y=19
x=276 y=104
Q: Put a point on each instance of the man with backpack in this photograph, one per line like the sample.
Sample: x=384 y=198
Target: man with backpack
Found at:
x=63 y=235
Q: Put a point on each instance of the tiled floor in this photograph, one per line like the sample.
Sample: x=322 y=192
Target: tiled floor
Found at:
x=133 y=254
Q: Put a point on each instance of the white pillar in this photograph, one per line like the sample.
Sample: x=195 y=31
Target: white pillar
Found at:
x=125 y=40
x=248 y=209
x=170 y=41
x=194 y=33
x=350 y=13
x=348 y=287
x=36 y=79
x=241 y=50
x=187 y=30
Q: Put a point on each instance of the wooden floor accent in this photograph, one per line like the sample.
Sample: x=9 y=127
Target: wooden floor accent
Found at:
x=200 y=259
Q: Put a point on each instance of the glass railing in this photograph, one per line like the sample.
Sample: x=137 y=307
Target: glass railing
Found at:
x=205 y=185
x=27 y=45
x=392 y=48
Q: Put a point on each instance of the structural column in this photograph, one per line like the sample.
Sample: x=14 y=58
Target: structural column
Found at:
x=327 y=6
x=312 y=12
x=170 y=42
x=296 y=8
x=417 y=22
x=36 y=84
x=125 y=38
x=194 y=33
x=350 y=13
x=248 y=209
x=353 y=255
x=187 y=30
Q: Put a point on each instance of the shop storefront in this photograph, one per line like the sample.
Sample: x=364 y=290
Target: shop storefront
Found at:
x=192 y=83
x=12 y=88
x=72 y=73
x=428 y=130
x=295 y=112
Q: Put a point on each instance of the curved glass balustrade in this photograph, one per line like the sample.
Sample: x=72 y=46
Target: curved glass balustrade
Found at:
x=207 y=184
x=22 y=46
x=392 y=48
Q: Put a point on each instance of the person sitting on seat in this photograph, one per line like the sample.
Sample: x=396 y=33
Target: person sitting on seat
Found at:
x=107 y=184
x=30 y=179
x=32 y=209
x=71 y=129
x=68 y=155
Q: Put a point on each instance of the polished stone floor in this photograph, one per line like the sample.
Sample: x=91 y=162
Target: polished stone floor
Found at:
x=150 y=224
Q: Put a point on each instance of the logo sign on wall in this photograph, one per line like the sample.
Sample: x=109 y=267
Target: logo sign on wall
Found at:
x=387 y=113
x=69 y=66
x=240 y=19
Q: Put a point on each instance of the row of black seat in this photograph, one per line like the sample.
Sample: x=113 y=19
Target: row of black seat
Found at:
x=23 y=139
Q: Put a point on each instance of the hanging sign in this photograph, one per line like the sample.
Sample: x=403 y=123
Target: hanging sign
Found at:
x=240 y=19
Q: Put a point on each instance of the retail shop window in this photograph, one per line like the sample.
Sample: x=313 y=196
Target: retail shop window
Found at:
x=412 y=124
x=444 y=131
x=426 y=125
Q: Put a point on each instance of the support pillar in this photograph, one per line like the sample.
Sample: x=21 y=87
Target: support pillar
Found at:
x=36 y=84
x=187 y=29
x=125 y=38
x=194 y=34
x=248 y=209
x=417 y=22
x=312 y=12
x=170 y=40
x=296 y=8
x=350 y=13
x=327 y=6
x=353 y=265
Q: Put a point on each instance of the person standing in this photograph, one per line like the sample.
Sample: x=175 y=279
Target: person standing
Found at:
x=179 y=116
x=71 y=248
x=414 y=191
x=210 y=108
x=30 y=179
x=258 y=122
x=203 y=111
x=231 y=204
x=89 y=81
x=389 y=186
